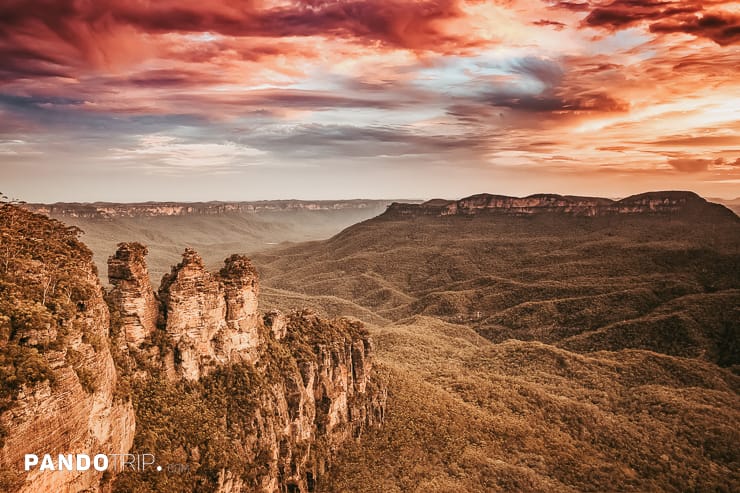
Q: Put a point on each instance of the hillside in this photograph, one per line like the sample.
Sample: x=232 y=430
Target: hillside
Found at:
x=544 y=351
x=563 y=279
x=468 y=415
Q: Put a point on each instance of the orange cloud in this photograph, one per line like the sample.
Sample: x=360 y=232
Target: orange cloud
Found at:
x=702 y=19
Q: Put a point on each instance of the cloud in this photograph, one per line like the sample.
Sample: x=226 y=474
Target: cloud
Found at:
x=688 y=165
x=726 y=163
x=706 y=19
x=549 y=72
x=316 y=141
x=573 y=6
x=173 y=78
x=696 y=165
x=698 y=141
x=722 y=28
x=549 y=23
x=593 y=102
x=242 y=103
x=543 y=90
x=172 y=154
x=622 y=13
x=48 y=38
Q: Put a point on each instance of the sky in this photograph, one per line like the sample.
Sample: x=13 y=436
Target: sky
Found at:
x=135 y=100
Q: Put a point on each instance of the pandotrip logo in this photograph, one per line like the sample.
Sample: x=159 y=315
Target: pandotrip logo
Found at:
x=115 y=463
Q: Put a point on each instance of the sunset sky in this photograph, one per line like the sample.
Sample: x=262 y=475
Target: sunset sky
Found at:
x=133 y=100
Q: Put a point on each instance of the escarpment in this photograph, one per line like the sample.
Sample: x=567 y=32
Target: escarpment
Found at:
x=246 y=402
x=57 y=373
x=650 y=203
x=105 y=210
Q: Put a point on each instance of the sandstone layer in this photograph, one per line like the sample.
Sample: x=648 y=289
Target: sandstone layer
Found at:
x=668 y=202
x=312 y=408
x=132 y=292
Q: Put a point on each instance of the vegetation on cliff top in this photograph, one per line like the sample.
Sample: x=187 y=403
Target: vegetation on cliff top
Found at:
x=45 y=282
x=577 y=282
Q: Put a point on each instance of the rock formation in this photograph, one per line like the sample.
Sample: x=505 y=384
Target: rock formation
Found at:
x=317 y=387
x=312 y=408
x=277 y=323
x=132 y=292
x=210 y=319
x=241 y=289
x=246 y=403
x=72 y=414
x=670 y=202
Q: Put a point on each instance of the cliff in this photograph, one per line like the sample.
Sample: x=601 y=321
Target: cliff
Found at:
x=246 y=402
x=58 y=377
x=650 y=203
x=106 y=210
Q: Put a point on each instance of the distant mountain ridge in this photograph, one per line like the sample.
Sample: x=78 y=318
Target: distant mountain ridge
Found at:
x=215 y=229
x=102 y=210
x=660 y=202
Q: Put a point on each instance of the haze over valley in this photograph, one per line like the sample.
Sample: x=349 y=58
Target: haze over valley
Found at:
x=215 y=229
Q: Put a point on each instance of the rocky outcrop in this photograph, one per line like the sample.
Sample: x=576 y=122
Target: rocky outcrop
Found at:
x=315 y=405
x=294 y=388
x=278 y=324
x=241 y=288
x=665 y=203
x=210 y=319
x=132 y=292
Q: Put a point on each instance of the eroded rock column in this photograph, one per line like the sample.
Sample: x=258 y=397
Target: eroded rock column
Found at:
x=132 y=292
x=211 y=319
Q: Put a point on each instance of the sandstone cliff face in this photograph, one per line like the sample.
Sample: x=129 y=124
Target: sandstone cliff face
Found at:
x=311 y=409
x=648 y=203
x=241 y=289
x=210 y=319
x=110 y=210
x=58 y=319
